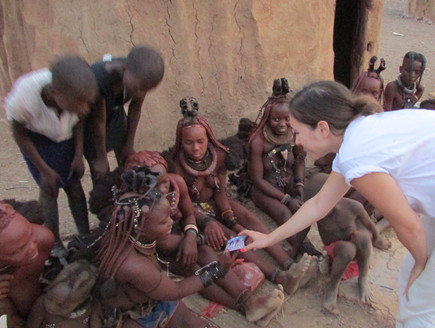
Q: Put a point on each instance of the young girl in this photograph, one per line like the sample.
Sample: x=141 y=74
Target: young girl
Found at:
x=370 y=83
x=277 y=167
x=407 y=89
x=199 y=159
x=391 y=169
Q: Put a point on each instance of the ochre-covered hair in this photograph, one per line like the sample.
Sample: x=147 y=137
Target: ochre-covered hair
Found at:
x=128 y=219
x=7 y=213
x=280 y=95
x=145 y=158
x=373 y=74
x=189 y=109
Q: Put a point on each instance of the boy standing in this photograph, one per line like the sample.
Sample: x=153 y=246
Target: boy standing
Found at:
x=45 y=108
x=108 y=127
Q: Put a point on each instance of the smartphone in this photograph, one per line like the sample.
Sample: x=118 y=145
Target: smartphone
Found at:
x=235 y=243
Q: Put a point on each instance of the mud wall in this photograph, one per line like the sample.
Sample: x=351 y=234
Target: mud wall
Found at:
x=225 y=53
x=422 y=9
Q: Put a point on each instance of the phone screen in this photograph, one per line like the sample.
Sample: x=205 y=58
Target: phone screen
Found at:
x=235 y=243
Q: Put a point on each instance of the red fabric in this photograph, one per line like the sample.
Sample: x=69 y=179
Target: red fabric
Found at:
x=248 y=273
x=212 y=309
x=352 y=269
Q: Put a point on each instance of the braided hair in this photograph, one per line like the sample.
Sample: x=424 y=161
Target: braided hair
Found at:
x=190 y=111
x=371 y=73
x=128 y=218
x=280 y=95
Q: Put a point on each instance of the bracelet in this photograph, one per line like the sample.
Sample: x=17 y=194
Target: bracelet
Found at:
x=226 y=213
x=201 y=239
x=285 y=199
x=192 y=231
x=190 y=226
x=211 y=272
x=299 y=180
x=301 y=184
x=230 y=222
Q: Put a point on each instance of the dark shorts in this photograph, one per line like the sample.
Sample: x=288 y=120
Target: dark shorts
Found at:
x=159 y=316
x=116 y=134
x=57 y=155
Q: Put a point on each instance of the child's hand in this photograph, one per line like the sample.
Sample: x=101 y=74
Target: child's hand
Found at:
x=295 y=204
x=215 y=235
x=50 y=181
x=5 y=281
x=188 y=251
x=228 y=258
x=77 y=168
x=101 y=167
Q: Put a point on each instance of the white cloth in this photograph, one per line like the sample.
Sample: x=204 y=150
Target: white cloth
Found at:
x=24 y=105
x=402 y=144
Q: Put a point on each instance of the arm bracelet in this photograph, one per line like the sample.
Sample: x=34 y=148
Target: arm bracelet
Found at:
x=190 y=226
x=211 y=272
x=230 y=221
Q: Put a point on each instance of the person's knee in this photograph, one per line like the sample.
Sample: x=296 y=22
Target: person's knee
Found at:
x=345 y=251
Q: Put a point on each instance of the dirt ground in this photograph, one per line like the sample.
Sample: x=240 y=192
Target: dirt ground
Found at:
x=399 y=34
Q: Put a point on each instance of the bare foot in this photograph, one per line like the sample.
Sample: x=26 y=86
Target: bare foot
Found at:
x=311 y=272
x=330 y=300
x=261 y=309
x=382 y=243
x=324 y=265
x=364 y=291
x=291 y=278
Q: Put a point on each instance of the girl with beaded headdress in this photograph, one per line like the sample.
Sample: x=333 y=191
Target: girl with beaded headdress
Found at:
x=407 y=89
x=184 y=256
x=200 y=159
x=277 y=167
x=134 y=291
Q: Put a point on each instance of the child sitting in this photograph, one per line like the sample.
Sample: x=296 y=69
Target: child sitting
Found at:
x=370 y=83
x=407 y=89
x=46 y=108
x=24 y=248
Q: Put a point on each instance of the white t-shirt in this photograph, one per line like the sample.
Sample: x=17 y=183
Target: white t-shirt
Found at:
x=24 y=105
x=400 y=143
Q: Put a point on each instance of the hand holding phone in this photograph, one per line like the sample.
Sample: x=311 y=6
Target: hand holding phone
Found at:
x=235 y=243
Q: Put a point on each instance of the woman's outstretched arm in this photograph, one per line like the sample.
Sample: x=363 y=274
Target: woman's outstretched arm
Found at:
x=312 y=211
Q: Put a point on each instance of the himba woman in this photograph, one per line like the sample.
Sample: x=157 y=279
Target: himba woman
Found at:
x=199 y=159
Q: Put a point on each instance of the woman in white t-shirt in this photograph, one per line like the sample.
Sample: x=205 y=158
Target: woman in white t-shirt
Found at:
x=389 y=158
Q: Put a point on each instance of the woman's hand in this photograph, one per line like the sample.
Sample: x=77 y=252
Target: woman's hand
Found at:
x=415 y=273
x=255 y=240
